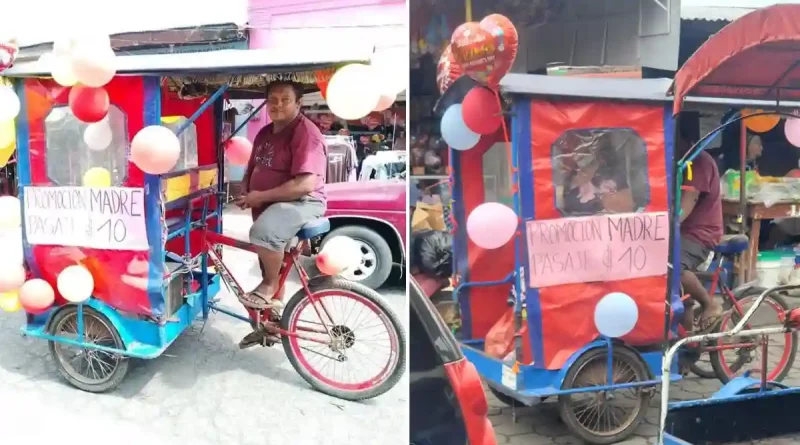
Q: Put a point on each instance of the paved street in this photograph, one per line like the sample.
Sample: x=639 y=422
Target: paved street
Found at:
x=540 y=425
x=202 y=391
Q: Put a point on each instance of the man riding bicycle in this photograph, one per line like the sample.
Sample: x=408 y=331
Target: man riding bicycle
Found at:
x=701 y=223
x=284 y=186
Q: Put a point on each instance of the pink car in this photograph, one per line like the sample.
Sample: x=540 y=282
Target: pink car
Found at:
x=374 y=213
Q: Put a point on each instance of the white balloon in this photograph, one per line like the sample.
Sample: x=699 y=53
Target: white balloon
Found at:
x=616 y=314
x=10 y=213
x=98 y=136
x=94 y=65
x=62 y=72
x=353 y=91
x=9 y=104
x=11 y=240
x=392 y=67
x=342 y=252
x=75 y=284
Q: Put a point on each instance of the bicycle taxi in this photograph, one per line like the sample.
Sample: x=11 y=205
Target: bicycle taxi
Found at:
x=746 y=408
x=153 y=243
x=570 y=304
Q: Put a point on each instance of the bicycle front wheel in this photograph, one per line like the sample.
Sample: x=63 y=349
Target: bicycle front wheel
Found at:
x=344 y=339
x=732 y=356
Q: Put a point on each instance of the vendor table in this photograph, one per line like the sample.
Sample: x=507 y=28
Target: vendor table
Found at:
x=756 y=212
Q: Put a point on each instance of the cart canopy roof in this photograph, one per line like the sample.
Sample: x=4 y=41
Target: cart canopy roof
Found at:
x=756 y=57
x=630 y=89
x=230 y=62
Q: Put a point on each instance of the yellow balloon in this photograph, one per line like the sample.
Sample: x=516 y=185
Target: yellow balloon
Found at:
x=8 y=141
x=97 y=177
x=9 y=302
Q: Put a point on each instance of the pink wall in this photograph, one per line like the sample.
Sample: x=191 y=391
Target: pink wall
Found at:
x=277 y=22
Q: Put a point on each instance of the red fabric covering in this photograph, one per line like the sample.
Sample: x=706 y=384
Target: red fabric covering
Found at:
x=567 y=311
x=107 y=266
x=754 y=57
x=171 y=105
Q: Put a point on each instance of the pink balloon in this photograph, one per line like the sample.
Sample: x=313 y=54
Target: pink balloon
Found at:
x=491 y=225
x=238 y=150
x=155 y=149
x=327 y=264
x=12 y=277
x=36 y=296
x=792 y=130
x=385 y=102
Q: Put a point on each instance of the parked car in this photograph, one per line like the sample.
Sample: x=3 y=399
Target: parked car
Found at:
x=374 y=214
x=448 y=404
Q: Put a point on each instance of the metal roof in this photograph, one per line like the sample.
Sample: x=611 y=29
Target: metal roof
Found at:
x=258 y=61
x=713 y=13
x=640 y=90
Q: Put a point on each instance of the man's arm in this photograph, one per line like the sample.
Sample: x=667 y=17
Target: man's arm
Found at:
x=688 y=201
x=702 y=173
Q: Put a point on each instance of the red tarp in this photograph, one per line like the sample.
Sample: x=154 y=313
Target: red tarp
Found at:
x=755 y=57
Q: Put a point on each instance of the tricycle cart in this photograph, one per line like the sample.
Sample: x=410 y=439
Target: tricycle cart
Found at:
x=573 y=307
x=746 y=408
x=153 y=243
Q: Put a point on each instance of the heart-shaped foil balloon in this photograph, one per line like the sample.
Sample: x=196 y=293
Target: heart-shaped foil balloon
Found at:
x=486 y=50
x=8 y=53
x=448 y=70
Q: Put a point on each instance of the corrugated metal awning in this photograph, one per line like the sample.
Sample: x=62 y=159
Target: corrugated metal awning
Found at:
x=713 y=13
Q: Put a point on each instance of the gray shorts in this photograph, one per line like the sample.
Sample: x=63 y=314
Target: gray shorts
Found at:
x=281 y=221
x=693 y=254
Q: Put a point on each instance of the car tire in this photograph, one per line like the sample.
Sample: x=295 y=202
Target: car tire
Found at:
x=382 y=268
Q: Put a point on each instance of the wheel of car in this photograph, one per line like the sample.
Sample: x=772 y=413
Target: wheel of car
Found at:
x=376 y=255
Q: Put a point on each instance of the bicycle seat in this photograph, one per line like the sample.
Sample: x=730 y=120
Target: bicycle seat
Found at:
x=314 y=229
x=732 y=244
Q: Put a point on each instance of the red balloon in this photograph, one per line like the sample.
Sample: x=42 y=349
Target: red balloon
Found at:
x=486 y=50
x=448 y=70
x=481 y=111
x=89 y=104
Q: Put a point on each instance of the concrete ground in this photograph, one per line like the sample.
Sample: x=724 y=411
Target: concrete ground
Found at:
x=540 y=425
x=203 y=390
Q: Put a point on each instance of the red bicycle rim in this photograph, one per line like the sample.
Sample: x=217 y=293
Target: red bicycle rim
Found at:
x=299 y=353
x=787 y=348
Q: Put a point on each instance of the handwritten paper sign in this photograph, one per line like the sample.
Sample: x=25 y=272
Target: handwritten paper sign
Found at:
x=101 y=218
x=597 y=248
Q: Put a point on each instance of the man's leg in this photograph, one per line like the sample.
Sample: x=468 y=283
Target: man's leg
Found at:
x=270 y=233
x=692 y=256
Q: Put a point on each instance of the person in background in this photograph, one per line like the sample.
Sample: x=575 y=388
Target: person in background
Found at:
x=284 y=185
x=700 y=223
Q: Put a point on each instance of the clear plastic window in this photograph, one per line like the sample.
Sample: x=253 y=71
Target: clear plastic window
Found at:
x=600 y=170
x=188 y=139
x=496 y=175
x=68 y=156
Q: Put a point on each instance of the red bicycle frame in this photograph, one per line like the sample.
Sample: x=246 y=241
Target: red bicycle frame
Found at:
x=267 y=318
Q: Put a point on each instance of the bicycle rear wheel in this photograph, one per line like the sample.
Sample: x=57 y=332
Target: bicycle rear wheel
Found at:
x=355 y=355
x=736 y=353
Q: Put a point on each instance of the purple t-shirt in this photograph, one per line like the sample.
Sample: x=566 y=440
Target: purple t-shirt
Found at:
x=704 y=224
x=278 y=157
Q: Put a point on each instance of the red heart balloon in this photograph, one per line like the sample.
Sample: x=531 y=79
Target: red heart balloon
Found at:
x=448 y=70
x=486 y=50
x=507 y=42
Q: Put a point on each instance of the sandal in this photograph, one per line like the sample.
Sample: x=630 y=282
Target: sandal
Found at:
x=708 y=325
x=257 y=338
x=255 y=300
